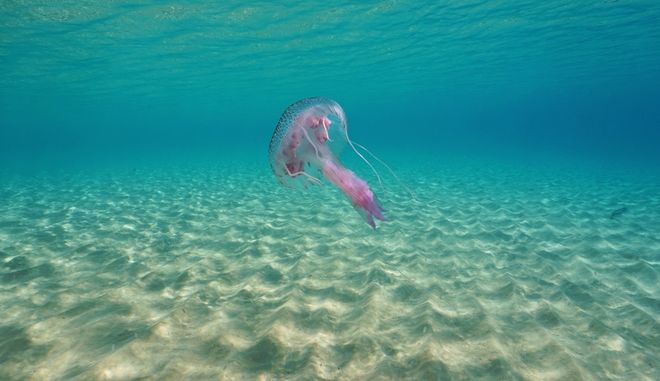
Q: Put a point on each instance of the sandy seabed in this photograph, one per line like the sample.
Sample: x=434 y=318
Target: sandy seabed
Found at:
x=210 y=271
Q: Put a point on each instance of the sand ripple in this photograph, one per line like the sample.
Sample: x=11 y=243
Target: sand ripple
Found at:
x=214 y=272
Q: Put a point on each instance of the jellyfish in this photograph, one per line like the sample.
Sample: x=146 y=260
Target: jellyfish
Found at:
x=307 y=143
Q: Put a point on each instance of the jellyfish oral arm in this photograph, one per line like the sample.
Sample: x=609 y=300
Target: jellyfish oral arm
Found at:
x=356 y=189
x=298 y=173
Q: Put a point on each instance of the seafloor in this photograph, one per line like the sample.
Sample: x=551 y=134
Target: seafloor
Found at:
x=210 y=270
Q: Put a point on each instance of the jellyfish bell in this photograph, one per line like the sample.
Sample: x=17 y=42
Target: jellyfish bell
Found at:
x=306 y=144
x=309 y=131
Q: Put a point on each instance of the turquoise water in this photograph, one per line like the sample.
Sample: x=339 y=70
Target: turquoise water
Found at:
x=143 y=234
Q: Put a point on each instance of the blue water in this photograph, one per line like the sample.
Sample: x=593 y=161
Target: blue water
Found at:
x=143 y=234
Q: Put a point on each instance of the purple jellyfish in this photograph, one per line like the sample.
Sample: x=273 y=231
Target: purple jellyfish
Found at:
x=307 y=142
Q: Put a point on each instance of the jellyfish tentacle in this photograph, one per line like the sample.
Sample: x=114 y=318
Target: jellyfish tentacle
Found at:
x=294 y=174
x=327 y=135
x=316 y=150
x=350 y=142
x=325 y=122
x=414 y=196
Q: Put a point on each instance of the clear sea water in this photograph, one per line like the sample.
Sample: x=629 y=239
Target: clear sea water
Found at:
x=144 y=236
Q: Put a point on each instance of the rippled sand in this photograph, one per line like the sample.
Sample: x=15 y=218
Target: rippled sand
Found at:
x=215 y=272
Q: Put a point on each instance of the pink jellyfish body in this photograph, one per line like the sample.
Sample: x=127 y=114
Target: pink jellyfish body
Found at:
x=307 y=142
